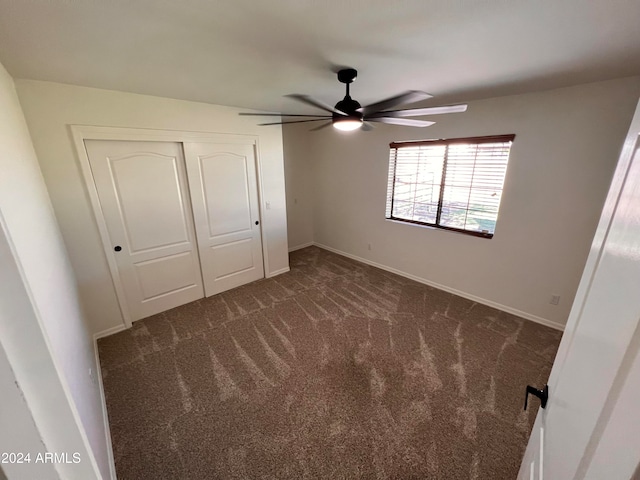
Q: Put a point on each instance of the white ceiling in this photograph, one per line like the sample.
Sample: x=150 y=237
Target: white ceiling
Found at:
x=249 y=53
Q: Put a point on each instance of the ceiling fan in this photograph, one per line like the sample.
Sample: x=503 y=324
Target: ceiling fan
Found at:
x=349 y=115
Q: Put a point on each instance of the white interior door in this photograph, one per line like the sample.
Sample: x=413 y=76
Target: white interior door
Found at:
x=591 y=426
x=144 y=198
x=224 y=193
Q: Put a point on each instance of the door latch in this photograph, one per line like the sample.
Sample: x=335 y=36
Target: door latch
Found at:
x=543 y=395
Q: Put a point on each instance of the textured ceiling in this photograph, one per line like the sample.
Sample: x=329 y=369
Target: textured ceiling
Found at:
x=250 y=53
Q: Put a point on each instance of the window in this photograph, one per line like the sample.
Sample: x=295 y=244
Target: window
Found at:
x=455 y=184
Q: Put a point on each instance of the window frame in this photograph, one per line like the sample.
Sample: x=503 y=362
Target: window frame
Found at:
x=446 y=142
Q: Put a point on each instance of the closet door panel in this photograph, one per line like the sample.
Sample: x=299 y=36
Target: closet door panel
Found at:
x=149 y=195
x=144 y=198
x=224 y=194
x=225 y=183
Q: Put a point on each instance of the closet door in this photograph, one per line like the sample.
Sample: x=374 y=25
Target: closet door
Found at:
x=144 y=198
x=224 y=195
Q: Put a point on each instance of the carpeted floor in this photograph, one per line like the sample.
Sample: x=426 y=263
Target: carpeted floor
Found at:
x=335 y=370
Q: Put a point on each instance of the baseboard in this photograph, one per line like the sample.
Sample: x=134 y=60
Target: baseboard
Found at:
x=278 y=272
x=473 y=298
x=103 y=400
x=109 y=331
x=301 y=246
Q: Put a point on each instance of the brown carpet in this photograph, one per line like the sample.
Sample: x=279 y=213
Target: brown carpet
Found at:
x=334 y=370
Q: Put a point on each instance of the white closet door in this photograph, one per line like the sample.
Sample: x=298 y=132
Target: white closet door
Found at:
x=144 y=198
x=224 y=194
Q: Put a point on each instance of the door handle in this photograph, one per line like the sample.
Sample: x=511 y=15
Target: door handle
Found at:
x=117 y=248
x=543 y=395
x=257 y=222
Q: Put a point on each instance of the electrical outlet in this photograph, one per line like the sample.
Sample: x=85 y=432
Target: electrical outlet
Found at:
x=555 y=299
x=92 y=376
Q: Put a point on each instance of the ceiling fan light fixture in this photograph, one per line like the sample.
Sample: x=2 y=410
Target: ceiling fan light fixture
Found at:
x=347 y=124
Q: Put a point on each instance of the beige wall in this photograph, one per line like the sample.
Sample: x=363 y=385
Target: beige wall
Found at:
x=298 y=174
x=566 y=147
x=50 y=108
x=42 y=326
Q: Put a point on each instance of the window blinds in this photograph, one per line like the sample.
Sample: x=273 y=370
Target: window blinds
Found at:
x=454 y=184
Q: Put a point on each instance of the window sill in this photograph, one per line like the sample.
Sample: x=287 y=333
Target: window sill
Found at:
x=487 y=236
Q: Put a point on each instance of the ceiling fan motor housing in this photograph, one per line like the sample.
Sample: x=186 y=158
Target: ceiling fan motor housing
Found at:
x=348 y=106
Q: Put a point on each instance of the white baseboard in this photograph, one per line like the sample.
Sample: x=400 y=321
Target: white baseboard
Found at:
x=105 y=417
x=278 y=272
x=109 y=331
x=103 y=400
x=473 y=298
x=301 y=246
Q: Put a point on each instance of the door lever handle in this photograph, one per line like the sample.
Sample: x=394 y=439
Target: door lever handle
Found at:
x=543 y=395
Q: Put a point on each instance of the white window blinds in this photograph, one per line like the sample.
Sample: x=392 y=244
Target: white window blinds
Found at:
x=454 y=184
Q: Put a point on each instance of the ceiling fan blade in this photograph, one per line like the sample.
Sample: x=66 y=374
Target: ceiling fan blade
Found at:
x=416 y=112
x=281 y=115
x=407 y=122
x=315 y=103
x=293 y=121
x=328 y=124
x=408 y=97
